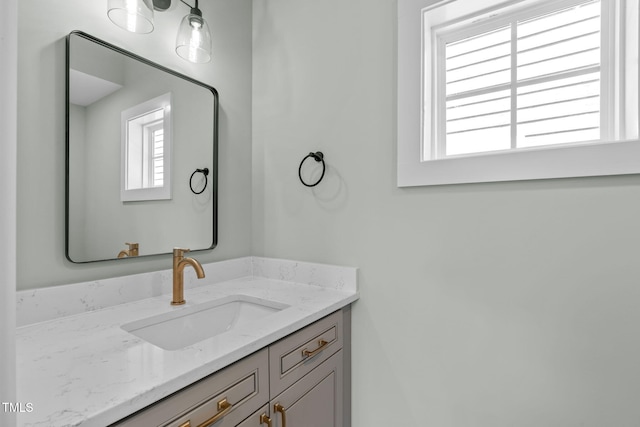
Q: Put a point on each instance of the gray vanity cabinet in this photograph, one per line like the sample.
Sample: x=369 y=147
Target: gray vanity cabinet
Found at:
x=303 y=379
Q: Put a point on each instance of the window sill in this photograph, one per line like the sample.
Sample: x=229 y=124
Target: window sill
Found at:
x=617 y=158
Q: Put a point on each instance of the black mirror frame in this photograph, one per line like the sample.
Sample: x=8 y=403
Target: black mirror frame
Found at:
x=213 y=174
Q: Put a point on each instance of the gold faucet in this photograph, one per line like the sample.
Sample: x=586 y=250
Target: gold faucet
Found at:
x=179 y=263
x=132 y=251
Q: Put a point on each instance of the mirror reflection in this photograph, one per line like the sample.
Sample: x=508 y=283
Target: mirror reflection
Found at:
x=136 y=133
x=145 y=141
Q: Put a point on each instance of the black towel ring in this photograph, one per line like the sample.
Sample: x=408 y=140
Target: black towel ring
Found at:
x=204 y=172
x=318 y=157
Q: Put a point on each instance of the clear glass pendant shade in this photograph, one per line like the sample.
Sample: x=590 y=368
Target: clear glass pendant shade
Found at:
x=194 y=38
x=132 y=15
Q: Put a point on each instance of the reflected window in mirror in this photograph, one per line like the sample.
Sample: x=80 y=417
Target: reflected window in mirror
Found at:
x=146 y=150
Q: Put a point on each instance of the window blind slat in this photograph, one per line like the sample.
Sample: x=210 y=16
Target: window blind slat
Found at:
x=562 y=116
x=589 y=83
x=529 y=26
x=579 y=40
x=477 y=129
x=554 y=130
x=591 y=20
x=532 y=135
x=478 y=102
x=483 y=61
x=477 y=115
x=562 y=101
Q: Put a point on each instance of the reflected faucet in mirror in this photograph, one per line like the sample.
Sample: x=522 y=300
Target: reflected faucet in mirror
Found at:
x=179 y=263
x=131 y=252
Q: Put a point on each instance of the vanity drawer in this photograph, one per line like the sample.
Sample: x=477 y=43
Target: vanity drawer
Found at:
x=234 y=393
x=296 y=355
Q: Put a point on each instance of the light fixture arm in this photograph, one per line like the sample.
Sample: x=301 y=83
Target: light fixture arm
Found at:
x=192 y=7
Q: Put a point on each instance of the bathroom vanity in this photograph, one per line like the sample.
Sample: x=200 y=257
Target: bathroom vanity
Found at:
x=95 y=354
x=296 y=381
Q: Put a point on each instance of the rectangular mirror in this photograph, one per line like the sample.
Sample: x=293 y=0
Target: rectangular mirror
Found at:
x=141 y=155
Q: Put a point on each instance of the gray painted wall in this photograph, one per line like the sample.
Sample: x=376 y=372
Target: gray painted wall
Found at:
x=493 y=305
x=41 y=136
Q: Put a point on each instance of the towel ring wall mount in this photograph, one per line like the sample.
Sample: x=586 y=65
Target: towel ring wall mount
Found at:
x=318 y=157
x=204 y=172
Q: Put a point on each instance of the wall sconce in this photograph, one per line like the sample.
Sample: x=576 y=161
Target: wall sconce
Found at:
x=193 y=41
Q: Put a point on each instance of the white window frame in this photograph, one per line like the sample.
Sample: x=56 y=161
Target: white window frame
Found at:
x=558 y=161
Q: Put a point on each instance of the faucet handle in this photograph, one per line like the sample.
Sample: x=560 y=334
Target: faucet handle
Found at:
x=133 y=248
x=179 y=252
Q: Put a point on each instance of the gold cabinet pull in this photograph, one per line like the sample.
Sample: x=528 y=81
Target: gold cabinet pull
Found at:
x=185 y=424
x=223 y=409
x=265 y=420
x=321 y=344
x=279 y=408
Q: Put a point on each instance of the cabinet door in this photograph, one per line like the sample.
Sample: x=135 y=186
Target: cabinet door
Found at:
x=313 y=401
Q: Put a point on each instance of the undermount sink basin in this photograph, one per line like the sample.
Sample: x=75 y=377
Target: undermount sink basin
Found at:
x=189 y=325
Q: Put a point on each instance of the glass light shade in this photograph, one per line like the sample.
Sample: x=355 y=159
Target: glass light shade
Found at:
x=132 y=15
x=193 y=42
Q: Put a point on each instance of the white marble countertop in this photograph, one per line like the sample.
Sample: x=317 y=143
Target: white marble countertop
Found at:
x=83 y=369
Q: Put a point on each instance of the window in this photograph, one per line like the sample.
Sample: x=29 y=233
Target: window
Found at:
x=146 y=130
x=516 y=90
x=526 y=80
x=145 y=159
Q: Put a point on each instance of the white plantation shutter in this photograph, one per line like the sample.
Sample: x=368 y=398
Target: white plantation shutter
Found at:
x=531 y=78
x=478 y=105
x=158 y=157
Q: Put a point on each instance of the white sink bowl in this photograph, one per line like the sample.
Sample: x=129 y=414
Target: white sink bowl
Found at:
x=185 y=326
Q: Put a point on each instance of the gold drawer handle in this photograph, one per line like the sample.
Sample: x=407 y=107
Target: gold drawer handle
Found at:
x=223 y=409
x=321 y=344
x=279 y=408
x=265 y=420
